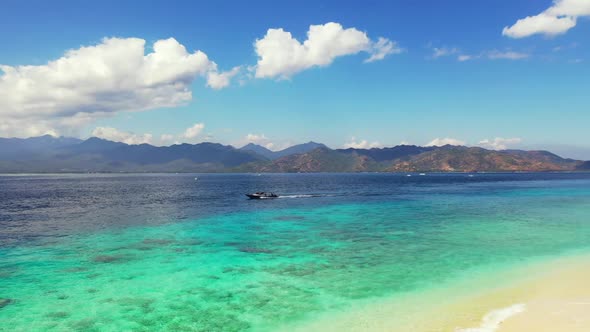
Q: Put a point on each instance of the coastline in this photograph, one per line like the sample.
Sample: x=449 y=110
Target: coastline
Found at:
x=543 y=296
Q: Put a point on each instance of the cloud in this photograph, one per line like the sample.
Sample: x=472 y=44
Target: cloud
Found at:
x=499 y=143
x=99 y=81
x=166 y=138
x=116 y=135
x=438 y=52
x=216 y=80
x=541 y=24
x=263 y=140
x=281 y=56
x=194 y=131
x=507 y=55
x=382 y=48
x=259 y=139
x=362 y=144
x=556 y=20
x=464 y=57
x=445 y=141
x=256 y=138
x=495 y=55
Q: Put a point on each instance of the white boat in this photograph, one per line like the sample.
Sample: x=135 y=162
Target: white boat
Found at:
x=262 y=195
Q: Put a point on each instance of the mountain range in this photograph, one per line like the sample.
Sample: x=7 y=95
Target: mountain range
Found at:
x=272 y=155
x=62 y=154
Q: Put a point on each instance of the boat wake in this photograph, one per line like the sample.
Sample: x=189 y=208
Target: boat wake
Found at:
x=303 y=196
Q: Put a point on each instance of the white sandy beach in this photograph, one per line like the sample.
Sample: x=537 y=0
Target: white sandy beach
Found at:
x=550 y=296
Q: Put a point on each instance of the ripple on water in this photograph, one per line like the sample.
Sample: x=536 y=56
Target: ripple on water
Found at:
x=258 y=270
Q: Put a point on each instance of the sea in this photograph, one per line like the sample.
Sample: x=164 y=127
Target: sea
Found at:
x=190 y=252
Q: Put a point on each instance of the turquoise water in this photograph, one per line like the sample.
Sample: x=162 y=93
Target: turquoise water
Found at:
x=266 y=268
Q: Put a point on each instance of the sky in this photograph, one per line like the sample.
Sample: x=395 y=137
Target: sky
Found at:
x=493 y=73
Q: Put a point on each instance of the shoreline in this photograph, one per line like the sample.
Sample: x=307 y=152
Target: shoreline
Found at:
x=551 y=295
x=248 y=173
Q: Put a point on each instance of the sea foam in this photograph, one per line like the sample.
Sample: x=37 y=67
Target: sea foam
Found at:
x=492 y=320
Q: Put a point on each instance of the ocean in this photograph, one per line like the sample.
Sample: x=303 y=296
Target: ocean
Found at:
x=189 y=252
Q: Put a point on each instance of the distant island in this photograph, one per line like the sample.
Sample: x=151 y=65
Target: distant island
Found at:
x=48 y=154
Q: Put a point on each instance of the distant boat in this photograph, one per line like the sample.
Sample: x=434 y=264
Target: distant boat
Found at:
x=262 y=195
x=422 y=174
x=409 y=175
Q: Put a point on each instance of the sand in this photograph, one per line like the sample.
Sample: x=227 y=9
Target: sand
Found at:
x=555 y=296
x=558 y=300
x=548 y=296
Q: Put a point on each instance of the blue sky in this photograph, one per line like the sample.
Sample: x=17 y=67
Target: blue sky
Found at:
x=527 y=88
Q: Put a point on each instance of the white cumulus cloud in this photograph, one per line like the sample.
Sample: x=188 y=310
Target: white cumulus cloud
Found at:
x=98 y=81
x=445 y=141
x=557 y=19
x=280 y=55
x=194 y=131
x=360 y=144
x=116 y=135
x=499 y=143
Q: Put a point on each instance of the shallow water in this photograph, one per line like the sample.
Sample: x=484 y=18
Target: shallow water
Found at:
x=166 y=252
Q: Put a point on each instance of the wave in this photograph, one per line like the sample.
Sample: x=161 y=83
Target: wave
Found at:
x=492 y=321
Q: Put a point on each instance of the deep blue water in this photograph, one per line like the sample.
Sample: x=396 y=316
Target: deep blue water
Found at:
x=39 y=207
